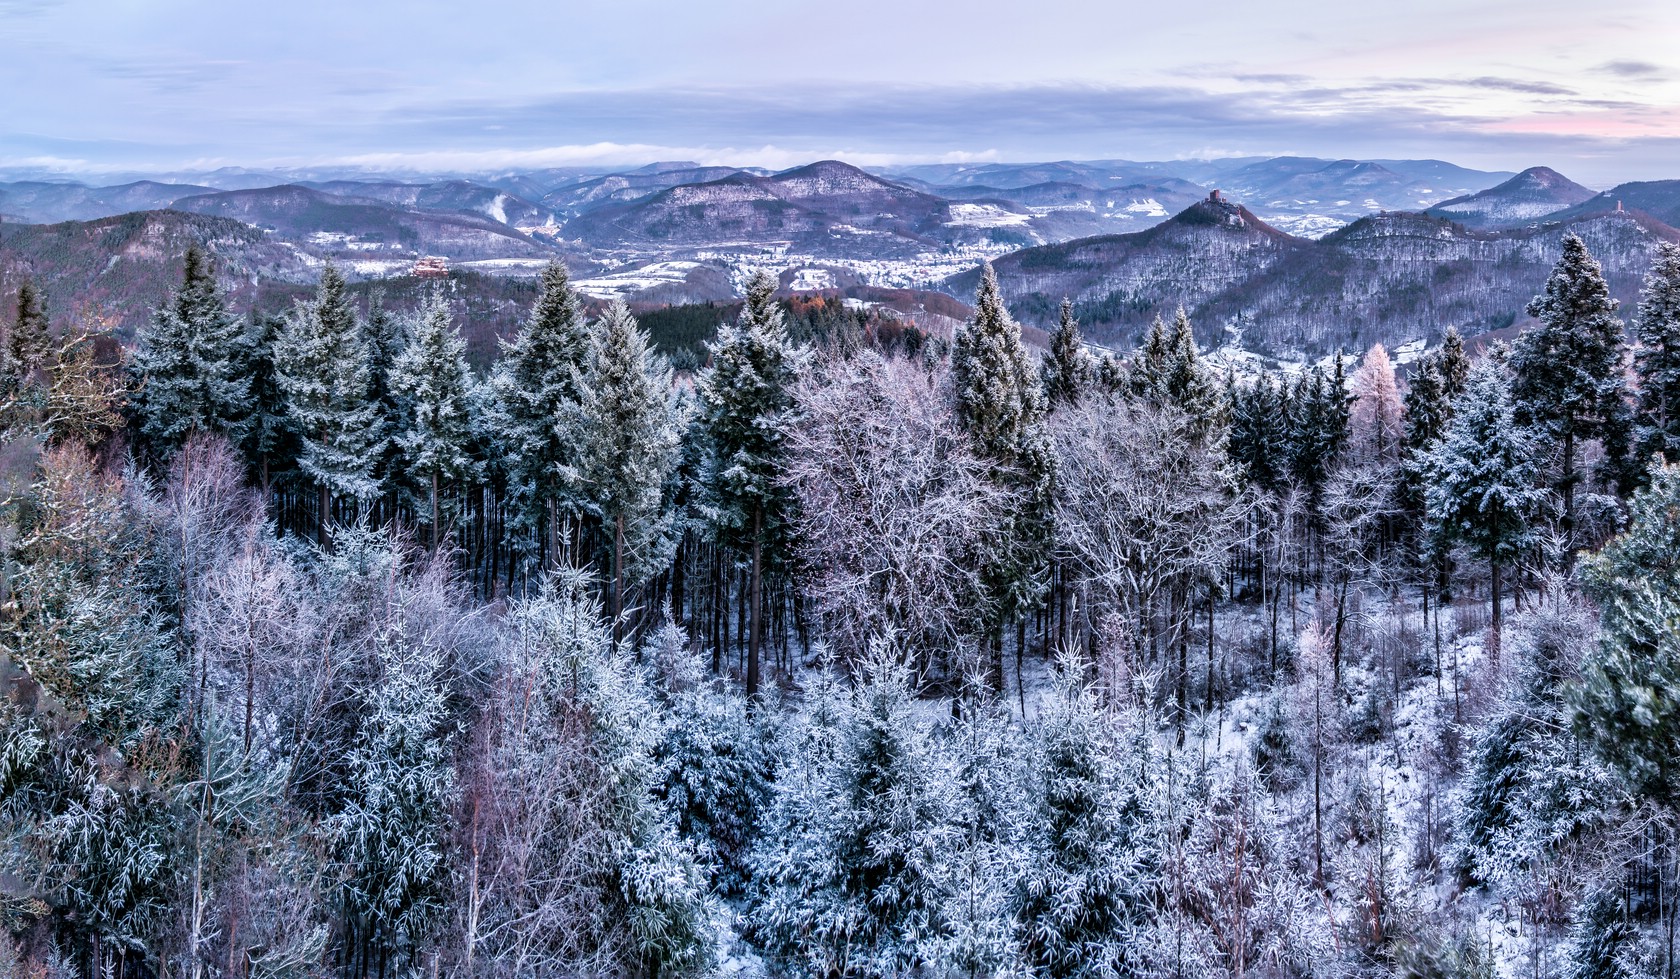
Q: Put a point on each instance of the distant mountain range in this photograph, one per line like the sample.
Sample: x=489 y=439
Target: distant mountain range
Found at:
x=1389 y=278
x=1294 y=254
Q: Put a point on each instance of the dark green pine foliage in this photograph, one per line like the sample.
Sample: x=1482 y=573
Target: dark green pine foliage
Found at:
x=536 y=388
x=189 y=362
x=323 y=368
x=632 y=433
x=1480 y=477
x=1168 y=371
x=1319 y=419
x=433 y=382
x=268 y=437
x=1259 y=439
x=1628 y=705
x=30 y=337
x=746 y=399
x=1068 y=369
x=1000 y=403
x=1569 y=368
x=1603 y=944
x=1656 y=361
x=386 y=337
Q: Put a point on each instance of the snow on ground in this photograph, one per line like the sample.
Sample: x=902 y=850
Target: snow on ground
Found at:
x=1409 y=351
x=620 y=285
x=1148 y=207
x=810 y=280
x=506 y=265
x=985 y=216
x=1304 y=225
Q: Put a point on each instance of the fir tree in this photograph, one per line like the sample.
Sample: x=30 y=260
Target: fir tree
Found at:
x=631 y=439
x=747 y=401
x=1068 y=369
x=1627 y=705
x=189 y=360
x=269 y=438
x=536 y=394
x=1000 y=403
x=433 y=380
x=1481 y=477
x=385 y=337
x=322 y=366
x=1568 y=368
x=30 y=339
x=1656 y=361
x=1258 y=442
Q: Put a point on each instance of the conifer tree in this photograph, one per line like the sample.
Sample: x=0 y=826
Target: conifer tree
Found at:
x=1068 y=369
x=1000 y=403
x=386 y=337
x=189 y=361
x=1376 y=407
x=322 y=366
x=1626 y=705
x=433 y=380
x=746 y=400
x=30 y=339
x=1656 y=361
x=1568 y=368
x=1481 y=476
x=1258 y=442
x=536 y=395
x=270 y=439
x=632 y=433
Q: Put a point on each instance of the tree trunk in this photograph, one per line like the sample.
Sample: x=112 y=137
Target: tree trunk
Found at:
x=434 y=511
x=756 y=603
x=618 y=576
x=1498 y=618
x=322 y=515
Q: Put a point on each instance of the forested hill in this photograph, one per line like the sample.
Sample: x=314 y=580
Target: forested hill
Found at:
x=1388 y=278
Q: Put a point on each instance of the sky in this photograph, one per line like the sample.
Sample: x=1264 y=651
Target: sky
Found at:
x=157 y=86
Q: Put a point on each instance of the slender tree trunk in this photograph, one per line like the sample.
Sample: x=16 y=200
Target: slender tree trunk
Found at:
x=756 y=602
x=618 y=575
x=322 y=515
x=434 y=511
x=1498 y=619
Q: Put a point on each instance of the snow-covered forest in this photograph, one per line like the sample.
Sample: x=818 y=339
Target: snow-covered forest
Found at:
x=326 y=654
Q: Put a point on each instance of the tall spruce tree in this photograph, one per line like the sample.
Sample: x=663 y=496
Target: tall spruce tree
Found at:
x=269 y=438
x=386 y=336
x=1068 y=369
x=27 y=344
x=747 y=400
x=323 y=368
x=433 y=382
x=1568 y=368
x=536 y=396
x=1000 y=403
x=632 y=432
x=188 y=358
x=1481 y=477
x=1656 y=362
x=1626 y=705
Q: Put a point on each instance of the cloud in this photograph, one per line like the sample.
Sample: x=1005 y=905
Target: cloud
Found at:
x=1643 y=70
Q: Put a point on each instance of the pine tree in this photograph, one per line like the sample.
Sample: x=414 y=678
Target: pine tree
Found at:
x=30 y=339
x=1068 y=369
x=747 y=401
x=270 y=438
x=188 y=358
x=536 y=395
x=386 y=337
x=1626 y=705
x=392 y=835
x=432 y=379
x=1258 y=442
x=1568 y=368
x=632 y=434
x=322 y=366
x=1481 y=477
x=1657 y=359
x=1000 y=403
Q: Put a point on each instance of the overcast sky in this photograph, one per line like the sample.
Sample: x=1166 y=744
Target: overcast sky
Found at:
x=1592 y=89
